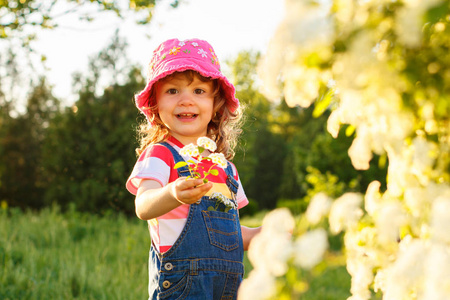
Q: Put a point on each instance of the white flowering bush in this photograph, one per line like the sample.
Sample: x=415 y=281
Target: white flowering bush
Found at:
x=383 y=68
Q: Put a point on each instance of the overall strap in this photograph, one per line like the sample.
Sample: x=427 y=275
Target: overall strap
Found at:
x=184 y=171
x=231 y=182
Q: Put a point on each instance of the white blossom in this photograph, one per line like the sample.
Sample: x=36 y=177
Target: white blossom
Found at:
x=362 y=276
x=318 y=208
x=410 y=21
x=270 y=252
x=221 y=198
x=388 y=220
x=345 y=212
x=259 y=285
x=372 y=197
x=407 y=271
x=207 y=143
x=219 y=159
x=272 y=247
x=189 y=150
x=279 y=220
x=310 y=247
x=440 y=219
x=437 y=273
x=360 y=152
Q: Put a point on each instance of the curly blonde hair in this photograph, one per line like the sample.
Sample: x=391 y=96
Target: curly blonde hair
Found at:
x=224 y=127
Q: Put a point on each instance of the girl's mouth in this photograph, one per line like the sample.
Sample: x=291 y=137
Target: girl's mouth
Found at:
x=187 y=116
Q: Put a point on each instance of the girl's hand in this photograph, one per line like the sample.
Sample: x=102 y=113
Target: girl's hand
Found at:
x=189 y=190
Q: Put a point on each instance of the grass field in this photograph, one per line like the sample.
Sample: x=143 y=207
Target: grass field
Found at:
x=54 y=255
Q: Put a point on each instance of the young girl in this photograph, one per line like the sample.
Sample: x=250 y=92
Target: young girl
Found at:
x=197 y=242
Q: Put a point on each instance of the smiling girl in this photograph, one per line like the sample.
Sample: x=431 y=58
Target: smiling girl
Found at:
x=197 y=247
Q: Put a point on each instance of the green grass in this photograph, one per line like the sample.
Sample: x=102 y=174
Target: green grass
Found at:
x=55 y=255
x=72 y=256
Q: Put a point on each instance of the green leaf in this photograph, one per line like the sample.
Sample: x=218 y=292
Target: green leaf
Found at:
x=180 y=164
x=211 y=208
x=350 y=130
x=214 y=172
x=323 y=103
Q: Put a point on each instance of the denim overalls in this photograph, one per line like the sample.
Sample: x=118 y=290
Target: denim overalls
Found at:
x=205 y=262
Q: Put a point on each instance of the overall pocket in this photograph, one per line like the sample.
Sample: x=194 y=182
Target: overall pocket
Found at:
x=175 y=286
x=222 y=229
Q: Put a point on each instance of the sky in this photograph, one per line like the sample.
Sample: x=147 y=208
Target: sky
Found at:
x=229 y=26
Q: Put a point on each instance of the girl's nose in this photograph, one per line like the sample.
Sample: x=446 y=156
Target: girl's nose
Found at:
x=186 y=99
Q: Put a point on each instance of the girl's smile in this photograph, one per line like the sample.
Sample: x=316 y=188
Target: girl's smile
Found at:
x=185 y=107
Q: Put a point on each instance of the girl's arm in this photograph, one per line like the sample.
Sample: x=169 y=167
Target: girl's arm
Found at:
x=153 y=200
x=248 y=234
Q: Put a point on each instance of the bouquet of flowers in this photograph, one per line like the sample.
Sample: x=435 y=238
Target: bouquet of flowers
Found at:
x=197 y=171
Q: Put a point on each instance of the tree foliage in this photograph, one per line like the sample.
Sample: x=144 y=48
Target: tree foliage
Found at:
x=89 y=149
x=17 y=15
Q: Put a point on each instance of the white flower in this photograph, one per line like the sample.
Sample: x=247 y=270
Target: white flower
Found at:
x=270 y=252
x=345 y=212
x=202 y=52
x=389 y=218
x=410 y=21
x=207 y=143
x=271 y=249
x=437 y=273
x=181 y=43
x=310 y=248
x=219 y=159
x=372 y=197
x=189 y=150
x=279 y=220
x=259 y=285
x=440 y=219
x=406 y=273
x=221 y=198
x=318 y=208
x=194 y=44
x=360 y=152
x=361 y=271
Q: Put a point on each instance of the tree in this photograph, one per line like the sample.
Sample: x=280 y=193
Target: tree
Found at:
x=89 y=150
x=21 y=140
x=260 y=152
x=17 y=15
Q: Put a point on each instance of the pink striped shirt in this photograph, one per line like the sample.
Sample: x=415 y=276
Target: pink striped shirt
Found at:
x=156 y=163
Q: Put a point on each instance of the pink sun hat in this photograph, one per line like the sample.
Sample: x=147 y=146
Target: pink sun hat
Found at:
x=178 y=56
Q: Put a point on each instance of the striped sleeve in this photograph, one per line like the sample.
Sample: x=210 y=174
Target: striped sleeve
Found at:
x=241 y=198
x=156 y=163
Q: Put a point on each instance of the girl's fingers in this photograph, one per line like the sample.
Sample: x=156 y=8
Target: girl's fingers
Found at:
x=188 y=183
x=189 y=190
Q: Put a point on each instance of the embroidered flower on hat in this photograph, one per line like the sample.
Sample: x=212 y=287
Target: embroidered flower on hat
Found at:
x=214 y=59
x=194 y=44
x=202 y=52
x=174 y=51
x=181 y=43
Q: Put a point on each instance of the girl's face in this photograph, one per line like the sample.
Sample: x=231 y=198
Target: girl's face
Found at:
x=185 y=107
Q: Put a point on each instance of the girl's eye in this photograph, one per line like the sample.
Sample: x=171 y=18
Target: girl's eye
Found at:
x=199 y=91
x=172 y=91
